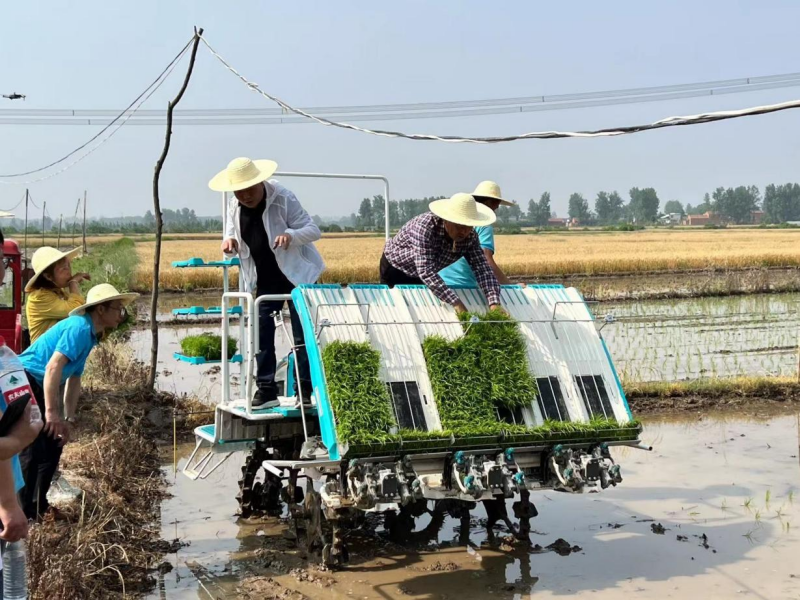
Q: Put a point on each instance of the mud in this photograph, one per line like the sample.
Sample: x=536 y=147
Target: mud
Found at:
x=722 y=487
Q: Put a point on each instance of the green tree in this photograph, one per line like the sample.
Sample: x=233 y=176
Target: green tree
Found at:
x=608 y=207
x=644 y=204
x=736 y=204
x=674 y=206
x=539 y=212
x=782 y=203
x=579 y=209
x=365 y=219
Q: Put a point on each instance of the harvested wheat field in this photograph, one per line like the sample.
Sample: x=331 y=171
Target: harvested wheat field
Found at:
x=542 y=255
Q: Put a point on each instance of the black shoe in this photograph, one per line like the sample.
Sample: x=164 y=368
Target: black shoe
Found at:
x=306 y=390
x=263 y=396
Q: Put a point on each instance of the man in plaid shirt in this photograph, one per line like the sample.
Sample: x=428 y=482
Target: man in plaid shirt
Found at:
x=436 y=239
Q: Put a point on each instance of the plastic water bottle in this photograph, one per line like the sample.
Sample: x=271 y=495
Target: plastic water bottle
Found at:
x=14 y=385
x=15 y=576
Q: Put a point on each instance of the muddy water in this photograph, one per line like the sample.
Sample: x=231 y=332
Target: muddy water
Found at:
x=732 y=480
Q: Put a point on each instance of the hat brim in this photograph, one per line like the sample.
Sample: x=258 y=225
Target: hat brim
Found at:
x=71 y=254
x=221 y=183
x=126 y=300
x=503 y=201
x=443 y=209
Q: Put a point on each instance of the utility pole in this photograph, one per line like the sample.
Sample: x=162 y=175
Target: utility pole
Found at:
x=44 y=208
x=84 y=221
x=27 y=198
x=60 y=221
x=75 y=220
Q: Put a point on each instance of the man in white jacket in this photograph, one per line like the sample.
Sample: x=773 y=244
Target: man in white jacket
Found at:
x=273 y=235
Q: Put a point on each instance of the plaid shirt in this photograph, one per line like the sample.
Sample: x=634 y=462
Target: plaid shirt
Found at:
x=422 y=248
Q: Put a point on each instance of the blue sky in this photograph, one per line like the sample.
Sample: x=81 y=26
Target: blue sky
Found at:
x=100 y=54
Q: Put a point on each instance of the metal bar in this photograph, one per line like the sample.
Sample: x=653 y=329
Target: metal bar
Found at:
x=256 y=314
x=453 y=323
x=247 y=343
x=348 y=176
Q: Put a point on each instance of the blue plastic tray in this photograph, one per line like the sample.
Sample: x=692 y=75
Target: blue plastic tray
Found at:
x=199 y=360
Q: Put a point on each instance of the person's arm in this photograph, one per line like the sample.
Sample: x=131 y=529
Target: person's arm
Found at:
x=229 y=243
x=483 y=274
x=424 y=261
x=54 y=426
x=71 y=396
x=15 y=525
x=301 y=226
x=50 y=305
x=21 y=435
x=498 y=272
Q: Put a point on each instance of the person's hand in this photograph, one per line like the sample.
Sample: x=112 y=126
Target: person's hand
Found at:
x=79 y=277
x=460 y=308
x=498 y=308
x=55 y=427
x=283 y=241
x=230 y=246
x=69 y=433
x=23 y=431
x=15 y=524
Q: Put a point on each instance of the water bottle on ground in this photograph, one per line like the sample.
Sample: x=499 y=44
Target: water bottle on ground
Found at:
x=15 y=575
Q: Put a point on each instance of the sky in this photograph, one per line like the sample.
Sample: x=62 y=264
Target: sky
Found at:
x=96 y=54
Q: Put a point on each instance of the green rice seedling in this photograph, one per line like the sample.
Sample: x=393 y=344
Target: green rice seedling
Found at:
x=484 y=370
x=791 y=496
x=206 y=345
x=767 y=496
x=360 y=400
x=748 y=503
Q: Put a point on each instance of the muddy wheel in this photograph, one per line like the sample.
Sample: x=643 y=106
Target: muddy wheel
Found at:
x=401 y=525
x=259 y=497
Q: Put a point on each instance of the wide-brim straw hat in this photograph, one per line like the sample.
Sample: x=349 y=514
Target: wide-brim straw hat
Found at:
x=45 y=257
x=491 y=191
x=101 y=293
x=242 y=173
x=462 y=209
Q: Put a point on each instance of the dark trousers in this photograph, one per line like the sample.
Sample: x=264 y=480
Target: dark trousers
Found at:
x=39 y=463
x=391 y=276
x=266 y=360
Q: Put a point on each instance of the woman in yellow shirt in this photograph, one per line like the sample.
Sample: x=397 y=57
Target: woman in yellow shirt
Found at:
x=53 y=291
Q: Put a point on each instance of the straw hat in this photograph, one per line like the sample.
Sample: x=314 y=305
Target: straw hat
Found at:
x=462 y=209
x=103 y=292
x=489 y=189
x=45 y=257
x=242 y=173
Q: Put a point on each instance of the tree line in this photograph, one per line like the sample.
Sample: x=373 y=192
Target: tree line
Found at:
x=780 y=203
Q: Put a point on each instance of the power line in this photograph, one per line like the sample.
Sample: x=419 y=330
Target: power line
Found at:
x=548 y=101
x=118 y=117
x=613 y=131
x=21 y=200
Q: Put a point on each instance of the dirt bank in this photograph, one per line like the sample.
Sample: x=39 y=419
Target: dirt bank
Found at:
x=108 y=543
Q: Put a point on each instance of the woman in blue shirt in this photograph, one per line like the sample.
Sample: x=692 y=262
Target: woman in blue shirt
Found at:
x=460 y=274
x=58 y=357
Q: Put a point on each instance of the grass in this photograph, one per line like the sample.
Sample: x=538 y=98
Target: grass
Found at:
x=114 y=262
x=355 y=259
x=207 y=345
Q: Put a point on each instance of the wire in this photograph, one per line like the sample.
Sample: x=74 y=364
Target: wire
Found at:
x=520 y=104
x=668 y=122
x=21 y=200
x=118 y=117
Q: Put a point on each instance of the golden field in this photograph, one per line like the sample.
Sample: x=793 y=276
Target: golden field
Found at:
x=355 y=259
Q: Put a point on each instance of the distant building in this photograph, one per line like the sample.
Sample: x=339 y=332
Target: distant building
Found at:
x=707 y=218
x=557 y=222
x=756 y=217
x=670 y=219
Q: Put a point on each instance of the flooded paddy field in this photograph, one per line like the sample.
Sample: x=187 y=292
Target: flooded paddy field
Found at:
x=713 y=511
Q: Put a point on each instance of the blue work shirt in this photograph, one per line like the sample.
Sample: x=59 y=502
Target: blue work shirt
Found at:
x=73 y=337
x=459 y=273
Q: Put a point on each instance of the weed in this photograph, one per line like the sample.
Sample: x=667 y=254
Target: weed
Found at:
x=767 y=496
x=748 y=503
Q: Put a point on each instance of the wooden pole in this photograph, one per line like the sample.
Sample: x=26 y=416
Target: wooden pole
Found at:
x=157 y=210
x=60 y=222
x=84 y=221
x=44 y=208
x=75 y=220
x=27 y=197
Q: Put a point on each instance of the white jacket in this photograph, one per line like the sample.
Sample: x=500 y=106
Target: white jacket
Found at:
x=301 y=263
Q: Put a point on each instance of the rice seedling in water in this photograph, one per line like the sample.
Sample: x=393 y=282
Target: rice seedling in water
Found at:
x=748 y=503
x=206 y=345
x=767 y=496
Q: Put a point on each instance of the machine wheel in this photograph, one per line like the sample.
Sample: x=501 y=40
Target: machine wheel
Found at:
x=401 y=525
x=258 y=498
